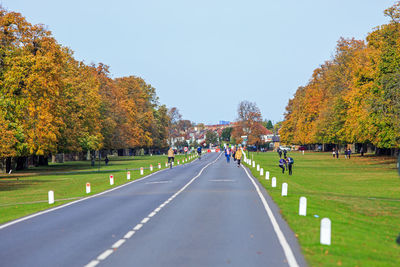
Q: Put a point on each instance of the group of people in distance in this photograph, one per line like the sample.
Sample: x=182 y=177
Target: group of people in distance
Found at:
x=234 y=152
x=347 y=153
x=285 y=163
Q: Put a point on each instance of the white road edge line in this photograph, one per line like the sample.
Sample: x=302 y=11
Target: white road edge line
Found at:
x=137 y=227
x=282 y=240
x=145 y=220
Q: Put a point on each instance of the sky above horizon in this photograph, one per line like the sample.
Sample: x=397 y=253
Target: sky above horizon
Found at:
x=204 y=57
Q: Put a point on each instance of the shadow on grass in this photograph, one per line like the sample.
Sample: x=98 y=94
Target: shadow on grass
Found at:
x=11 y=185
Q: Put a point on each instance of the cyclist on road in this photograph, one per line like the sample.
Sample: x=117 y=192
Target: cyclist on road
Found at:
x=171 y=156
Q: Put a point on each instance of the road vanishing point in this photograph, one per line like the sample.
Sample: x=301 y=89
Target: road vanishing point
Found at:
x=204 y=213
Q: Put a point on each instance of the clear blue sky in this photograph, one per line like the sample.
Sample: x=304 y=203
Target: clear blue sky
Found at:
x=204 y=57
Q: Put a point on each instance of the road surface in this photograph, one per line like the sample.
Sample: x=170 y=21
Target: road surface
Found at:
x=205 y=213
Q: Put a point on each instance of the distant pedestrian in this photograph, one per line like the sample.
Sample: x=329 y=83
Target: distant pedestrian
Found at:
x=228 y=154
x=337 y=153
x=171 y=156
x=345 y=153
x=284 y=153
x=333 y=153
x=238 y=156
x=279 y=152
x=106 y=160
x=362 y=151
x=349 y=153
x=282 y=165
x=290 y=163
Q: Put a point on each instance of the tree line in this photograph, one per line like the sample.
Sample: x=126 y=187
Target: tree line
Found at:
x=52 y=103
x=355 y=96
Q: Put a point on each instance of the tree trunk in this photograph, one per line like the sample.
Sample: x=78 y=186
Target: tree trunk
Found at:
x=22 y=163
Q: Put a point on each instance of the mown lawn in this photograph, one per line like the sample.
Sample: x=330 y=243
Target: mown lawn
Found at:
x=23 y=193
x=361 y=197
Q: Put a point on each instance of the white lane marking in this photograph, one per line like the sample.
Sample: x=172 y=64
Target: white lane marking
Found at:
x=118 y=243
x=129 y=234
x=105 y=254
x=282 y=240
x=92 y=263
x=137 y=227
x=108 y=252
x=152 y=214
x=77 y=201
x=221 y=180
x=159 y=182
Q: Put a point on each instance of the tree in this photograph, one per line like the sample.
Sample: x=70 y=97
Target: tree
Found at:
x=211 y=137
x=248 y=123
x=226 y=134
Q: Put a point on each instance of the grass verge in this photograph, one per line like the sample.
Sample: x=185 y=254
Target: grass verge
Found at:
x=25 y=192
x=361 y=197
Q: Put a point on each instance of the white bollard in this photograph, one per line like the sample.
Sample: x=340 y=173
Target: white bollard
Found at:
x=273 y=184
x=261 y=171
x=151 y=167
x=111 y=180
x=159 y=165
x=303 y=152
x=267 y=175
x=128 y=175
x=51 y=197
x=166 y=164
x=303 y=206
x=254 y=164
x=258 y=167
x=178 y=162
x=325 y=235
x=141 y=170
x=87 y=188
x=284 y=189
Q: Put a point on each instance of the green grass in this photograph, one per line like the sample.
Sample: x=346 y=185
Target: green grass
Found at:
x=360 y=196
x=20 y=190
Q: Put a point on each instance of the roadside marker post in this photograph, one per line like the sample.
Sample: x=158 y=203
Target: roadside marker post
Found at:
x=87 y=188
x=128 y=175
x=258 y=167
x=273 y=184
x=51 y=197
x=284 y=189
x=159 y=165
x=261 y=171
x=303 y=206
x=325 y=234
x=141 y=170
x=166 y=164
x=254 y=164
x=111 y=179
x=151 y=167
x=267 y=175
x=178 y=162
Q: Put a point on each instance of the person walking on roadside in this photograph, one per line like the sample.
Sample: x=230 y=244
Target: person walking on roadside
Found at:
x=227 y=154
x=171 y=156
x=284 y=153
x=337 y=153
x=345 y=153
x=349 y=153
x=333 y=153
x=290 y=163
x=238 y=155
x=282 y=164
x=233 y=152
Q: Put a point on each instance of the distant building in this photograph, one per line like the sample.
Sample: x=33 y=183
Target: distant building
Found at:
x=224 y=122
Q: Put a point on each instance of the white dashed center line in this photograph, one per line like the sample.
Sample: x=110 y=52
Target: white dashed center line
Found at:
x=129 y=234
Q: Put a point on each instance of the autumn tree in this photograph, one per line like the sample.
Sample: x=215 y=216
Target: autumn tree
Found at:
x=248 y=123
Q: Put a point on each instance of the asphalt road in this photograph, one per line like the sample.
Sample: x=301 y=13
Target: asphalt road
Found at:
x=205 y=213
